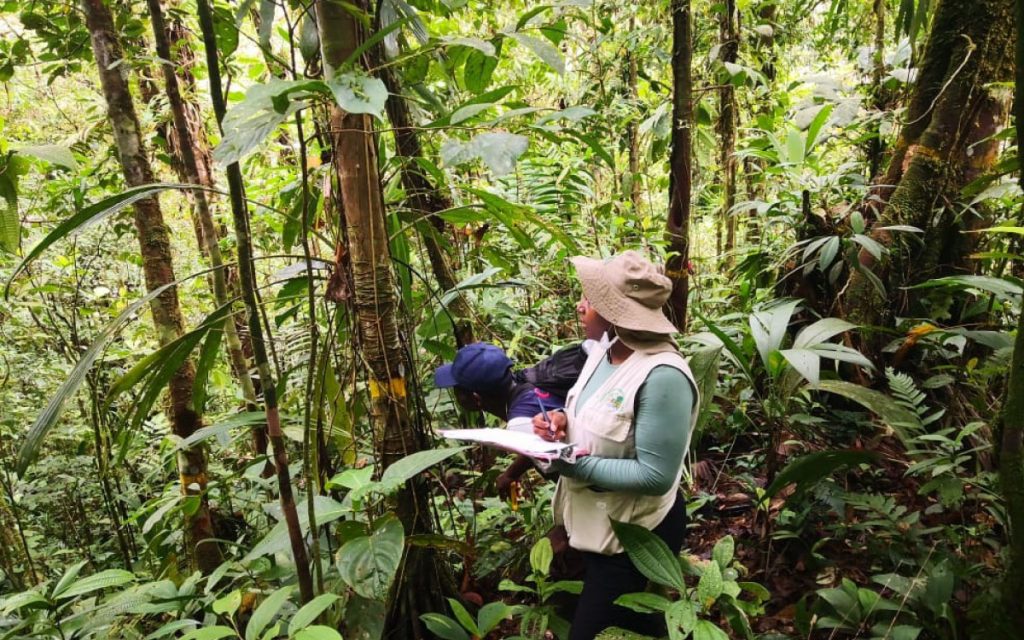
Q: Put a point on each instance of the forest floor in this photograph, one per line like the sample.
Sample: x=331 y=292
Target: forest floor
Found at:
x=818 y=555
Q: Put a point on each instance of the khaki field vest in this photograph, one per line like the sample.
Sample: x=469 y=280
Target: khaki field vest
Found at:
x=604 y=426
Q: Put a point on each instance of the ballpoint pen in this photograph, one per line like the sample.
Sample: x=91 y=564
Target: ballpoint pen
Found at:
x=543 y=412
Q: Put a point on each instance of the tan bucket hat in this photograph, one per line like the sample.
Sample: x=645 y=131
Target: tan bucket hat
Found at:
x=627 y=290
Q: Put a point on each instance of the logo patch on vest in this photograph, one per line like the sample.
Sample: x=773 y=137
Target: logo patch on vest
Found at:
x=614 y=398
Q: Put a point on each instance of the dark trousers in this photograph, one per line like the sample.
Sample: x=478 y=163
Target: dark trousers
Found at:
x=608 y=577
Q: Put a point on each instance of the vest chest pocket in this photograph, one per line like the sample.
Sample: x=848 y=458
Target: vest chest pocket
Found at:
x=602 y=425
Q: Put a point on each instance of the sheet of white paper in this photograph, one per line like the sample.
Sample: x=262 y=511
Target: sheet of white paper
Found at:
x=516 y=441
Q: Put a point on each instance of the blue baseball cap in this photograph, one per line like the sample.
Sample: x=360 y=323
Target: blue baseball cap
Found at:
x=477 y=367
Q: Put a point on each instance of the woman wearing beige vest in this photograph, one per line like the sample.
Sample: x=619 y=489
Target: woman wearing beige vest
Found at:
x=630 y=413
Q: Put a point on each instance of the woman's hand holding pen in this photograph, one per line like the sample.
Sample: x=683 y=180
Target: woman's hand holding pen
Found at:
x=550 y=425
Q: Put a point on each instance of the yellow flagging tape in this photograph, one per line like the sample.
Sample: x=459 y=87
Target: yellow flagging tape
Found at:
x=396 y=388
x=187 y=480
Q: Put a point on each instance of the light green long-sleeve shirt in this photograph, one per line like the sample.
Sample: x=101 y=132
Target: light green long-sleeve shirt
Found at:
x=661 y=424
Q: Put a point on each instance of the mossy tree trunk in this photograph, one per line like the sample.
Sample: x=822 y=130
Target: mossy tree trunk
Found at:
x=933 y=158
x=155 y=247
x=420 y=585
x=424 y=198
x=191 y=149
x=680 y=163
x=729 y=42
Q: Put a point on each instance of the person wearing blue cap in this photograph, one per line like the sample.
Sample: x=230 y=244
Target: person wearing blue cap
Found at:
x=482 y=378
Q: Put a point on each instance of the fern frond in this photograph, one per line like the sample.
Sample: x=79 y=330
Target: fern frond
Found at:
x=909 y=396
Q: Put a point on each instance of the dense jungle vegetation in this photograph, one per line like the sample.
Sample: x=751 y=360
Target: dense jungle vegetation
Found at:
x=238 y=236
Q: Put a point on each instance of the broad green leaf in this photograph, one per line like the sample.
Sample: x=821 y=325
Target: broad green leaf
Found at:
x=478 y=70
x=795 y=147
x=733 y=349
x=820 y=331
x=19 y=600
x=310 y=611
x=209 y=633
x=650 y=554
x=69 y=576
x=808 y=470
x=644 y=602
x=897 y=632
x=52 y=153
x=265 y=613
x=171 y=628
x=816 y=125
x=491 y=615
x=352 y=479
x=309 y=38
x=891 y=412
x=227 y=605
x=845 y=603
x=541 y=556
x=939 y=588
x=467 y=112
x=543 y=49
x=412 y=465
x=723 y=551
x=326 y=510
x=364 y=618
x=829 y=251
x=870 y=245
x=387 y=32
x=1002 y=287
x=574 y=114
x=707 y=630
x=806 y=362
x=482 y=46
x=842 y=353
x=267 y=10
x=247 y=124
x=357 y=93
x=444 y=627
x=497 y=149
x=95 y=582
x=368 y=563
x=710 y=585
x=768 y=327
x=1003 y=229
x=681 y=618
x=318 y=632
x=466 y=620
x=205 y=364
x=246 y=419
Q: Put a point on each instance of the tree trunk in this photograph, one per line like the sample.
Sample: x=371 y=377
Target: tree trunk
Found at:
x=247 y=280
x=938 y=161
x=192 y=152
x=680 y=178
x=424 y=199
x=155 y=246
x=931 y=75
x=753 y=168
x=876 y=145
x=727 y=117
x=632 y=128
x=1011 y=455
x=373 y=297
